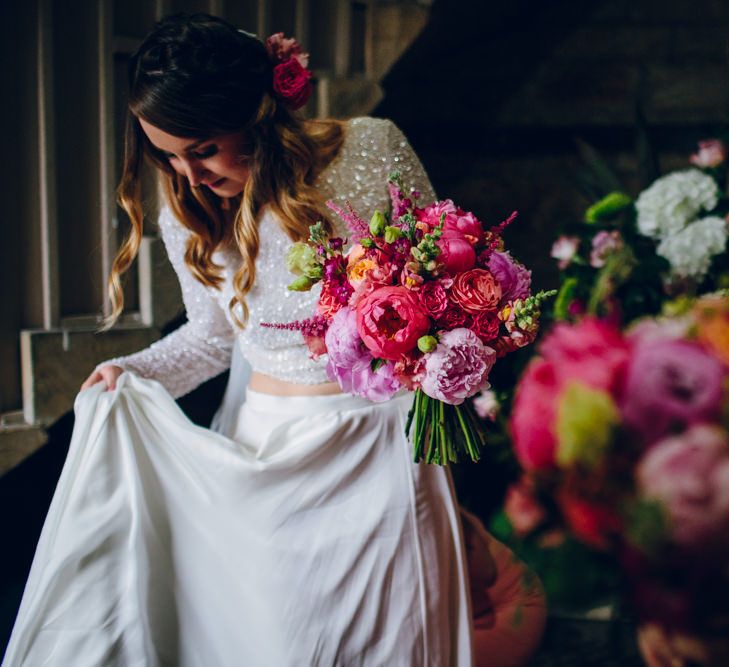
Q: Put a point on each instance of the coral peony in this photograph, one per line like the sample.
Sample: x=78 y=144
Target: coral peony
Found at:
x=390 y=320
x=689 y=475
x=458 y=367
x=476 y=290
x=456 y=220
x=670 y=384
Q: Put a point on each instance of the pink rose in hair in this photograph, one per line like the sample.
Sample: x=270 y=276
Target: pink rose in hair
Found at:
x=669 y=385
x=458 y=368
x=390 y=320
x=711 y=153
x=689 y=475
x=281 y=48
x=291 y=81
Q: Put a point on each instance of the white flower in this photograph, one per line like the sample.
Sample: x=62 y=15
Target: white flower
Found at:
x=690 y=251
x=673 y=201
x=564 y=249
x=487 y=405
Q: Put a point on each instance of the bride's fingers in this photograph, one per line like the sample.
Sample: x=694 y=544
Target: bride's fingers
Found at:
x=93 y=379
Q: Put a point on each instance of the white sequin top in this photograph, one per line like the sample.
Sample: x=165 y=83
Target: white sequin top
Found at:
x=202 y=347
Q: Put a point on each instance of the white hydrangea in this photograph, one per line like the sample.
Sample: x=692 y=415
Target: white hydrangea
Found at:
x=690 y=250
x=673 y=201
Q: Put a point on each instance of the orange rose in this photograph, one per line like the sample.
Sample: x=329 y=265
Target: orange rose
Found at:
x=476 y=291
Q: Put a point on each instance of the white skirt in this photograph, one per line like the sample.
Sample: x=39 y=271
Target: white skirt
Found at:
x=307 y=538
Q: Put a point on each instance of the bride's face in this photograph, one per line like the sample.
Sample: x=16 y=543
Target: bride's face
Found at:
x=218 y=163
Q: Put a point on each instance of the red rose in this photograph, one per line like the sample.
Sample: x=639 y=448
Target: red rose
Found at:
x=291 y=82
x=591 y=523
x=453 y=317
x=485 y=326
x=476 y=290
x=390 y=320
x=434 y=298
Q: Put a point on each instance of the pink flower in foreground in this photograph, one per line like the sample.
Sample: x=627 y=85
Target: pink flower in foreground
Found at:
x=534 y=415
x=458 y=367
x=592 y=351
x=564 y=249
x=711 y=153
x=689 y=475
x=390 y=320
x=603 y=244
x=670 y=384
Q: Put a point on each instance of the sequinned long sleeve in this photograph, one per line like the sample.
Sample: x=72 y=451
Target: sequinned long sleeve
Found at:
x=200 y=348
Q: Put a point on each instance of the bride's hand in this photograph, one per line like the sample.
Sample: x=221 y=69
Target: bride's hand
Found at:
x=106 y=374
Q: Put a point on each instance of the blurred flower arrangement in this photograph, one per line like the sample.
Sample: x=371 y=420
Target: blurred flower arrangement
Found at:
x=425 y=300
x=630 y=454
x=629 y=256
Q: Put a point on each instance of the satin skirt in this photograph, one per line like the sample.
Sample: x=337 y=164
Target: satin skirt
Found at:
x=302 y=536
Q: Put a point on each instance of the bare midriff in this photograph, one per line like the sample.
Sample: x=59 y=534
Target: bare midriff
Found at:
x=270 y=385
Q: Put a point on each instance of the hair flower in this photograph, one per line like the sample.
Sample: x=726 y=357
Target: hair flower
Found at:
x=291 y=78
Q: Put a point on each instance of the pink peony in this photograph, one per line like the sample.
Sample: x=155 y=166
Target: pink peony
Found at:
x=689 y=475
x=514 y=279
x=592 y=351
x=458 y=367
x=670 y=384
x=456 y=254
x=350 y=364
x=564 y=249
x=390 y=320
x=534 y=414
x=711 y=153
x=603 y=244
x=456 y=220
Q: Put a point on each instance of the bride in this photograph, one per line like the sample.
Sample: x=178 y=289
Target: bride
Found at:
x=299 y=532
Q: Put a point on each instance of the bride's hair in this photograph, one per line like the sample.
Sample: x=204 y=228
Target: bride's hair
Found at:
x=196 y=76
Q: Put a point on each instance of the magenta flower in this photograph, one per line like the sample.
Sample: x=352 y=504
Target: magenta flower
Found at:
x=458 y=368
x=514 y=279
x=689 y=475
x=669 y=385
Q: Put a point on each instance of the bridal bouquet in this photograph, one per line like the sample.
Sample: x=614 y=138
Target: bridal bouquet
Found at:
x=426 y=300
x=624 y=440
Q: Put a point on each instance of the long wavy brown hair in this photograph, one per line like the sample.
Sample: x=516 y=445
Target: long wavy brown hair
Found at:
x=196 y=76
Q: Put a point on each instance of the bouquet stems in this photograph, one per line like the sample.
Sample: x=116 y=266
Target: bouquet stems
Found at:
x=443 y=433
